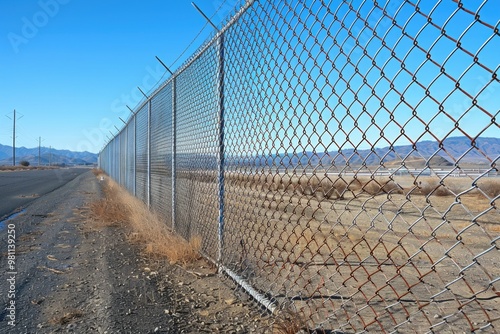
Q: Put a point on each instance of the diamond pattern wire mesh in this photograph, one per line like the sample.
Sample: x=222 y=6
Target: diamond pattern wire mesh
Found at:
x=123 y=156
x=358 y=184
x=130 y=164
x=161 y=159
x=197 y=147
x=141 y=154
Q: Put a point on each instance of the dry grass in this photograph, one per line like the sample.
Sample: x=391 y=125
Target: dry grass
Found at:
x=120 y=207
x=288 y=321
x=333 y=187
x=108 y=212
x=18 y=168
x=378 y=186
x=433 y=186
x=97 y=171
x=320 y=186
x=490 y=187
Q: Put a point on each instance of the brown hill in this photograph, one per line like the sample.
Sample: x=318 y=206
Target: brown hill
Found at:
x=418 y=162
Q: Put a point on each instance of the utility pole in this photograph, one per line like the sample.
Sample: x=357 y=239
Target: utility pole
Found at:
x=39 y=144
x=14 y=141
x=50 y=157
x=14 y=137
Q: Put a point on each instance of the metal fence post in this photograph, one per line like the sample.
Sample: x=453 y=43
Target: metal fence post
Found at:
x=149 y=155
x=125 y=173
x=135 y=155
x=220 y=160
x=174 y=138
x=119 y=158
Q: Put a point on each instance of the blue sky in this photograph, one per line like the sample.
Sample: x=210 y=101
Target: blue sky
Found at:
x=316 y=101
x=70 y=66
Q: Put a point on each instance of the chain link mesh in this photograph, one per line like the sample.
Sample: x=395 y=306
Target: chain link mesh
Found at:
x=338 y=160
x=130 y=163
x=197 y=147
x=123 y=157
x=141 y=154
x=161 y=159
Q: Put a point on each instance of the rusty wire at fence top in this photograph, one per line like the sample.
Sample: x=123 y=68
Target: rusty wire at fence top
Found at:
x=338 y=160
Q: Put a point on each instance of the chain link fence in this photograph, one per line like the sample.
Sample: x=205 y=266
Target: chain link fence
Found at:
x=338 y=160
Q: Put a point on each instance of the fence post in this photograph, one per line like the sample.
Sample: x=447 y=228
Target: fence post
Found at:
x=135 y=155
x=125 y=173
x=173 y=151
x=114 y=158
x=220 y=162
x=149 y=154
x=119 y=158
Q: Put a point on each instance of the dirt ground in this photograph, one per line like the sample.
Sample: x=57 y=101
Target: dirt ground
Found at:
x=371 y=262
x=73 y=276
x=368 y=262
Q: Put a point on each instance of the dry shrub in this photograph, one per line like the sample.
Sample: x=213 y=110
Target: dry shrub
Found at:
x=331 y=189
x=251 y=181
x=97 y=171
x=108 y=212
x=425 y=187
x=442 y=190
x=378 y=186
x=273 y=182
x=372 y=187
x=173 y=247
x=307 y=185
x=435 y=188
x=322 y=187
x=288 y=321
x=355 y=185
x=490 y=187
x=391 y=187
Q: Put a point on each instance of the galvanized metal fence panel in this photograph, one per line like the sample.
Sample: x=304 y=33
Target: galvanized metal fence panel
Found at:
x=123 y=157
x=338 y=161
x=141 y=154
x=115 y=163
x=161 y=158
x=196 y=151
x=130 y=168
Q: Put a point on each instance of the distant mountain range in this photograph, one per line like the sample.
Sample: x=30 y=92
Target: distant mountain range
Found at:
x=447 y=153
x=52 y=156
x=484 y=152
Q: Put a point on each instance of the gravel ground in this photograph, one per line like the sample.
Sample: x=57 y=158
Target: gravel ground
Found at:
x=74 y=276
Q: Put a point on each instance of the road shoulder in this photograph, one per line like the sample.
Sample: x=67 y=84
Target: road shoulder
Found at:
x=76 y=276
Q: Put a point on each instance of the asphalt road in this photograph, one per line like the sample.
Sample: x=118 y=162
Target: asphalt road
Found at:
x=19 y=188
